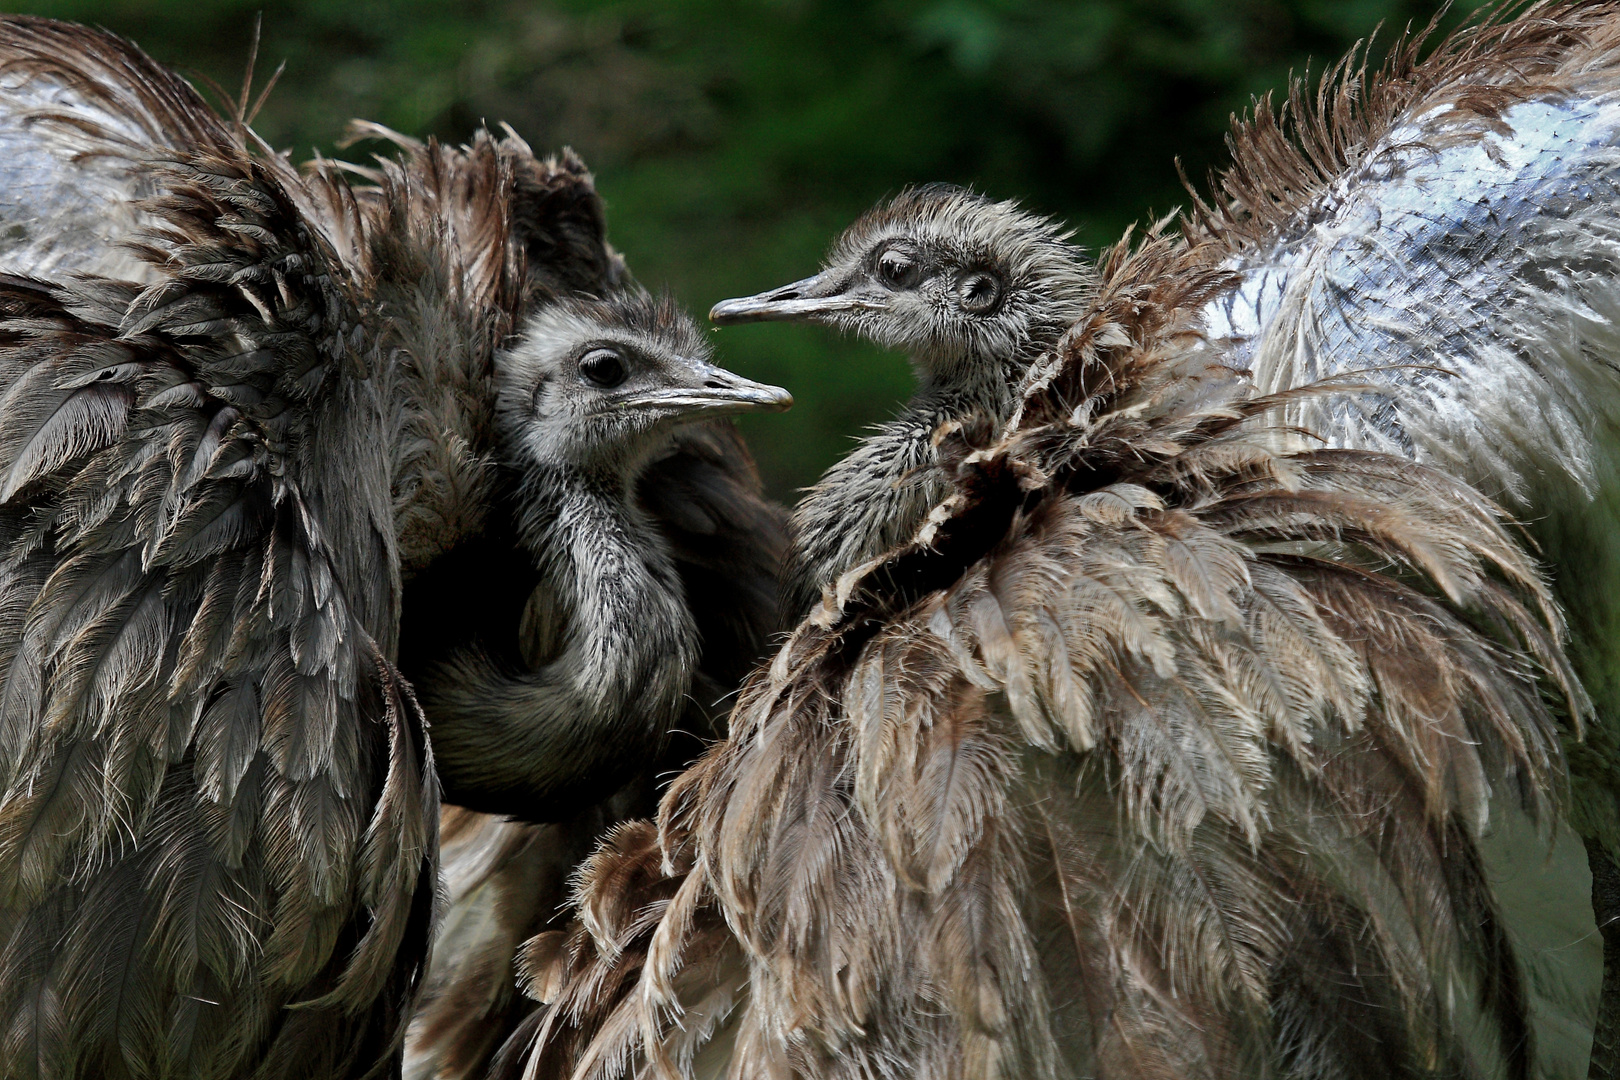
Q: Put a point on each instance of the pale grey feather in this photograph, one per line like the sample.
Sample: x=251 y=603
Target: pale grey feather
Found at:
x=1454 y=249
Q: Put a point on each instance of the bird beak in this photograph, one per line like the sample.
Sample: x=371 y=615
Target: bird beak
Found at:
x=715 y=392
x=810 y=300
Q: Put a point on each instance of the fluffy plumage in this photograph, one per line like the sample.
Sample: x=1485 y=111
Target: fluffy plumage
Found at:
x=261 y=420
x=217 y=808
x=612 y=642
x=986 y=288
x=1160 y=751
x=1164 y=747
x=1447 y=233
x=642 y=528
x=508 y=881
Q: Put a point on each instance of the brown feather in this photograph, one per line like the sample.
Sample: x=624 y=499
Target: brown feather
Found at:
x=1233 y=831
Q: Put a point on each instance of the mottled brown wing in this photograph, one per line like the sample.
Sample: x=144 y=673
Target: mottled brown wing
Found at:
x=217 y=808
x=1162 y=753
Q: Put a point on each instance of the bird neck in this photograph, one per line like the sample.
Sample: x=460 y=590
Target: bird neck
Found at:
x=613 y=648
x=589 y=534
x=611 y=579
x=880 y=493
x=962 y=387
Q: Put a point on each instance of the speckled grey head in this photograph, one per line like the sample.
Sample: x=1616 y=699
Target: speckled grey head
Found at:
x=942 y=272
x=599 y=385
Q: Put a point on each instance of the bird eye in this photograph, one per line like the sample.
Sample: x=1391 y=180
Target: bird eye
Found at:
x=898 y=269
x=602 y=367
x=979 y=292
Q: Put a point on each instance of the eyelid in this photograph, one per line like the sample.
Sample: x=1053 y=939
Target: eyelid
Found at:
x=613 y=356
x=902 y=257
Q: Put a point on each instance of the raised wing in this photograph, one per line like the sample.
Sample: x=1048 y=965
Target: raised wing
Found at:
x=1162 y=752
x=81 y=115
x=217 y=808
x=1448 y=233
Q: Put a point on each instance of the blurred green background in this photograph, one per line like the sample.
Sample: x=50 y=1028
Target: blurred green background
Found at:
x=732 y=139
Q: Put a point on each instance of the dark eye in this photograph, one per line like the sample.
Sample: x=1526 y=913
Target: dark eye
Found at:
x=979 y=292
x=602 y=367
x=898 y=269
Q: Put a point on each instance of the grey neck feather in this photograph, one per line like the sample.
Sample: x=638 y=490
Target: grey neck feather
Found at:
x=606 y=688
x=878 y=495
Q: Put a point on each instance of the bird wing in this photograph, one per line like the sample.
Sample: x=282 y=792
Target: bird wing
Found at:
x=217 y=807
x=505 y=881
x=1445 y=232
x=76 y=143
x=1162 y=751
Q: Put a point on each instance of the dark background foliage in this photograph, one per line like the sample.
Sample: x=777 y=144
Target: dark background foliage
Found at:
x=734 y=138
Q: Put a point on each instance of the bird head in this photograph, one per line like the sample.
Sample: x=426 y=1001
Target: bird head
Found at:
x=601 y=385
x=944 y=273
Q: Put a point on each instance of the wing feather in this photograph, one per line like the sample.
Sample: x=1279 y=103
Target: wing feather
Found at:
x=1444 y=233
x=1235 y=834
x=216 y=794
x=81 y=115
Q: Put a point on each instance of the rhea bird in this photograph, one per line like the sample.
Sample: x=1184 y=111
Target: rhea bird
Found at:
x=589 y=397
x=1442 y=228
x=973 y=290
x=1160 y=745
x=247 y=412
x=1160 y=748
x=612 y=580
x=596 y=398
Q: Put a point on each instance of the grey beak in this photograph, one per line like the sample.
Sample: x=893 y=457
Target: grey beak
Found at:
x=716 y=392
x=809 y=299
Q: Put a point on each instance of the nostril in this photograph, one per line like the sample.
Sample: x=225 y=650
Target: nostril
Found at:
x=713 y=384
x=791 y=294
